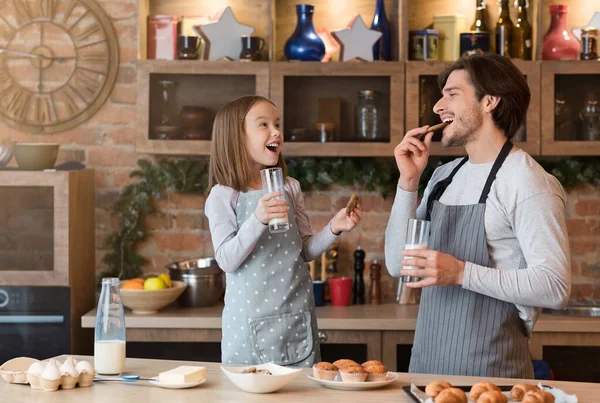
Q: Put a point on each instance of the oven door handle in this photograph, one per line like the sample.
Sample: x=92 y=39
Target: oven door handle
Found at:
x=32 y=319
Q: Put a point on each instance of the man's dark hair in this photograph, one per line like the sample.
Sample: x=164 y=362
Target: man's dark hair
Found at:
x=492 y=74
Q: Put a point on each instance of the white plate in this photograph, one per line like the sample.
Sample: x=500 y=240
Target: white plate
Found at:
x=391 y=377
x=177 y=386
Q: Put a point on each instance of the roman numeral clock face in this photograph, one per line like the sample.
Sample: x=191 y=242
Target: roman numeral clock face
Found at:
x=58 y=63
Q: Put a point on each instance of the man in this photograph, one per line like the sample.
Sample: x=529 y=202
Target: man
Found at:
x=498 y=248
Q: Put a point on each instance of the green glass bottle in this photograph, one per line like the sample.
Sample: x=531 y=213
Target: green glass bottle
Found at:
x=504 y=31
x=522 y=43
x=480 y=23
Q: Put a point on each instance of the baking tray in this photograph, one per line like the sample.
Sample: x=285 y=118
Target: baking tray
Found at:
x=466 y=389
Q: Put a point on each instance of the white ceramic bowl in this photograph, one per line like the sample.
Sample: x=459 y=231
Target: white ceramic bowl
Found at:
x=255 y=383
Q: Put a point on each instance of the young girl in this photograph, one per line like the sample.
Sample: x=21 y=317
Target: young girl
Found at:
x=269 y=313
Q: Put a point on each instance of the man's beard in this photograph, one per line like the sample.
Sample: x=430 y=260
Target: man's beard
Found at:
x=464 y=128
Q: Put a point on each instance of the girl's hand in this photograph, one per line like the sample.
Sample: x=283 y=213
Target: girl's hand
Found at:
x=269 y=207
x=343 y=223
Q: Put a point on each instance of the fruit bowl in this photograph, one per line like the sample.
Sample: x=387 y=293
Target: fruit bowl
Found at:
x=151 y=301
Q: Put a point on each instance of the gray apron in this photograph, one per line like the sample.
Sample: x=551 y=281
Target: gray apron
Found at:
x=269 y=313
x=461 y=332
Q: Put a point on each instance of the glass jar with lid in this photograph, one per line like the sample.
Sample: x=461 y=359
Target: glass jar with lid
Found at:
x=588 y=43
x=369 y=116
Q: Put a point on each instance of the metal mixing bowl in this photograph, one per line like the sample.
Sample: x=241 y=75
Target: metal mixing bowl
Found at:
x=205 y=280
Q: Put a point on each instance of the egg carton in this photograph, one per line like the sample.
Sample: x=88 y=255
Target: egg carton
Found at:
x=49 y=376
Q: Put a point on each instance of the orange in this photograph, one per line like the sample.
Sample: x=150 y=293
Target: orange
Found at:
x=132 y=285
x=138 y=279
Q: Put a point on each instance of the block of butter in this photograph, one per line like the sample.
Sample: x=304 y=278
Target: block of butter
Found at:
x=182 y=375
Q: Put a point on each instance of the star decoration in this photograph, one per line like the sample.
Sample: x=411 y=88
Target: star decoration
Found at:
x=594 y=22
x=331 y=45
x=357 y=41
x=224 y=35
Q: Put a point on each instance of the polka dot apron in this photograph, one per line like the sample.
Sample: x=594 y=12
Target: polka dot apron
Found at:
x=269 y=313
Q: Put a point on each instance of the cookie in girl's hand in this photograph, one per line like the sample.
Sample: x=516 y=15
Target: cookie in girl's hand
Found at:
x=352 y=203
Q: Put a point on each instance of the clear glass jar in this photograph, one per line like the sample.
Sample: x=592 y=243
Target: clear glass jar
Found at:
x=590 y=119
x=109 y=340
x=369 y=116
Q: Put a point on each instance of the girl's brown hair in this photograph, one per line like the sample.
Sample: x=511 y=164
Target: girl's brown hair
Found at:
x=230 y=163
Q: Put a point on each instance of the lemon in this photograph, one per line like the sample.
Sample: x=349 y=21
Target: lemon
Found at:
x=166 y=279
x=154 y=283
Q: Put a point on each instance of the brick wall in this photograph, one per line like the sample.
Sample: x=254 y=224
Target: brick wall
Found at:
x=180 y=231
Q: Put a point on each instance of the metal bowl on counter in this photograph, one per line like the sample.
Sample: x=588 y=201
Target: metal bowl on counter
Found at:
x=205 y=281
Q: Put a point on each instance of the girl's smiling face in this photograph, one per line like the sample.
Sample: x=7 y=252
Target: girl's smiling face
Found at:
x=263 y=137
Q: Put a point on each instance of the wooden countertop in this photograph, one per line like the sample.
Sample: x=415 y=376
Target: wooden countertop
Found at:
x=390 y=316
x=218 y=388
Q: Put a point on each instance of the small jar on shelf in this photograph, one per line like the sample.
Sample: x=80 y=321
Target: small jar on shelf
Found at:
x=588 y=43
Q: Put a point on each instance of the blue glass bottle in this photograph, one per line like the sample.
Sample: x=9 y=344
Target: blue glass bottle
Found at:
x=304 y=44
x=382 y=50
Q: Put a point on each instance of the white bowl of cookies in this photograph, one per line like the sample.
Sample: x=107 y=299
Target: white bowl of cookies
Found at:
x=263 y=378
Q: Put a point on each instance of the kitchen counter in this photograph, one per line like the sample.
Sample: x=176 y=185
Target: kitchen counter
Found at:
x=390 y=316
x=218 y=388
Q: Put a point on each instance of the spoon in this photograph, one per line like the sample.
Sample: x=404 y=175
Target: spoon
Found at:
x=127 y=378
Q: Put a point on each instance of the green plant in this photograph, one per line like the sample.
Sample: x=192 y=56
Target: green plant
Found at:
x=135 y=202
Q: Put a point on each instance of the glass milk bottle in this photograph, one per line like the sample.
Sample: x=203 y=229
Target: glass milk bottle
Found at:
x=109 y=342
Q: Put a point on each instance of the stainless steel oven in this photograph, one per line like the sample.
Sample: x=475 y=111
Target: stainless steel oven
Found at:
x=34 y=322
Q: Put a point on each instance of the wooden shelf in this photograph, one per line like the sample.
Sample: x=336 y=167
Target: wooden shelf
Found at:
x=550 y=71
x=334 y=15
x=333 y=149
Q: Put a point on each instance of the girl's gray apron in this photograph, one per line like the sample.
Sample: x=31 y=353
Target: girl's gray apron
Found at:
x=461 y=332
x=269 y=304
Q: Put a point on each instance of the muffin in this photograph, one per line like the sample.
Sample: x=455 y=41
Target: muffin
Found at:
x=325 y=370
x=353 y=373
x=372 y=362
x=376 y=372
x=344 y=363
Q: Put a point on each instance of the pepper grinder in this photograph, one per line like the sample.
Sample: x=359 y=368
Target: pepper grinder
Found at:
x=358 y=292
x=375 y=293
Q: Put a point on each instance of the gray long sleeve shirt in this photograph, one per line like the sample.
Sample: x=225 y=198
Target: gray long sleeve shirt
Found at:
x=525 y=226
x=232 y=246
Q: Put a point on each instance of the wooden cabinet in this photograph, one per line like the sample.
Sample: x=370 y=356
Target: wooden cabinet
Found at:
x=298 y=88
x=359 y=346
x=205 y=86
x=571 y=124
x=408 y=88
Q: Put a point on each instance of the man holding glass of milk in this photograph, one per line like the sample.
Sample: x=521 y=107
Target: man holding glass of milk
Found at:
x=497 y=248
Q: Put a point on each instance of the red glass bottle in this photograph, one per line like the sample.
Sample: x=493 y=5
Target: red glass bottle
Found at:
x=559 y=42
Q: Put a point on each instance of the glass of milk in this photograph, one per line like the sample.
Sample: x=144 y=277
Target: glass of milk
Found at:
x=417 y=237
x=272 y=181
x=109 y=341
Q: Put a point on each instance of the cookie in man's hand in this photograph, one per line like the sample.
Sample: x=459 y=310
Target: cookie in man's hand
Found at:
x=352 y=203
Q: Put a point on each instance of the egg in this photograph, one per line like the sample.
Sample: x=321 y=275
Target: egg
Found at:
x=37 y=368
x=68 y=367
x=84 y=366
x=51 y=372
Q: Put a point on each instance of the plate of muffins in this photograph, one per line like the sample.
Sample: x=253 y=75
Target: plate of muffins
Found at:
x=346 y=374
